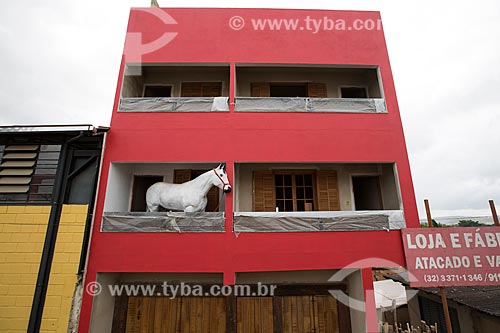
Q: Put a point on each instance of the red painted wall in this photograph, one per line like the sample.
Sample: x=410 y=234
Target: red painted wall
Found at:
x=204 y=36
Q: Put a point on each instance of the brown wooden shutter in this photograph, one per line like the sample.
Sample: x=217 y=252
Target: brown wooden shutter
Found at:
x=328 y=190
x=260 y=89
x=182 y=176
x=263 y=191
x=211 y=89
x=201 y=89
x=191 y=89
x=317 y=90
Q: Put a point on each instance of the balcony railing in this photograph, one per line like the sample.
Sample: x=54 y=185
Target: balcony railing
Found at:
x=163 y=222
x=252 y=104
x=254 y=221
x=174 y=104
x=305 y=104
x=318 y=221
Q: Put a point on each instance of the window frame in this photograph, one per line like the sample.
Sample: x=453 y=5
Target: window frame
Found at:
x=354 y=86
x=295 y=172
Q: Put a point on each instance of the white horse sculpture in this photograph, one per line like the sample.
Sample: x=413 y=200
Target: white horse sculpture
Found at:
x=190 y=196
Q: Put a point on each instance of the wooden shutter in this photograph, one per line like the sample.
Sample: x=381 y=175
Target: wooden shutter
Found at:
x=260 y=89
x=316 y=90
x=191 y=89
x=211 y=89
x=328 y=190
x=201 y=89
x=263 y=191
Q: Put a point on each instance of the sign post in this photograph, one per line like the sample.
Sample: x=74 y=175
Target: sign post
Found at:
x=494 y=213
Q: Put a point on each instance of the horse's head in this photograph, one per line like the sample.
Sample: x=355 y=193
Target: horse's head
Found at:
x=222 y=182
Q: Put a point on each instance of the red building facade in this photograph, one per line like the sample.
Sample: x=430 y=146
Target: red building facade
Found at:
x=301 y=107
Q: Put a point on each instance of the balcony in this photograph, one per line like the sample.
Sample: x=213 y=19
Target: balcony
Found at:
x=308 y=89
x=272 y=88
x=278 y=197
x=317 y=198
x=125 y=204
x=172 y=88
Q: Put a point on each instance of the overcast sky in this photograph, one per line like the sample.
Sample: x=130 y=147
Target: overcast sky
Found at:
x=60 y=62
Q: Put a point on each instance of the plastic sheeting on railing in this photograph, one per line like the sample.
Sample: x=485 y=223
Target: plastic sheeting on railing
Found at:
x=163 y=222
x=304 y=104
x=174 y=104
x=318 y=221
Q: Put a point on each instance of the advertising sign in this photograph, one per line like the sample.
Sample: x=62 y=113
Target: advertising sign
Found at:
x=441 y=257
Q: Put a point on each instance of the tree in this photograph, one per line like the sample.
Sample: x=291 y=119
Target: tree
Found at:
x=470 y=223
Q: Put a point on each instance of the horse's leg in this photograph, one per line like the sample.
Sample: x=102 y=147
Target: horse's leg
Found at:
x=153 y=208
x=189 y=209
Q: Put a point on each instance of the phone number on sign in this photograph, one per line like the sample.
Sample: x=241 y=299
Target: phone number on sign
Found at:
x=492 y=277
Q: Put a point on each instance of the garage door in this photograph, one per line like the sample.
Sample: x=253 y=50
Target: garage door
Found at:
x=287 y=313
x=181 y=314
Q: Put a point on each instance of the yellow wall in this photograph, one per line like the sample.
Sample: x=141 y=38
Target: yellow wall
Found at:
x=22 y=233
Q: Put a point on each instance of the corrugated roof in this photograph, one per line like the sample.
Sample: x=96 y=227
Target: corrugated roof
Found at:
x=484 y=299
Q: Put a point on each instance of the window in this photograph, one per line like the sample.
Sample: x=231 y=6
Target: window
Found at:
x=295 y=190
x=201 y=89
x=288 y=89
x=353 y=92
x=157 y=91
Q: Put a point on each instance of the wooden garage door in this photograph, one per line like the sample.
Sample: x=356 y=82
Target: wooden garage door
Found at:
x=181 y=314
x=289 y=314
x=254 y=314
x=310 y=314
x=289 y=311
